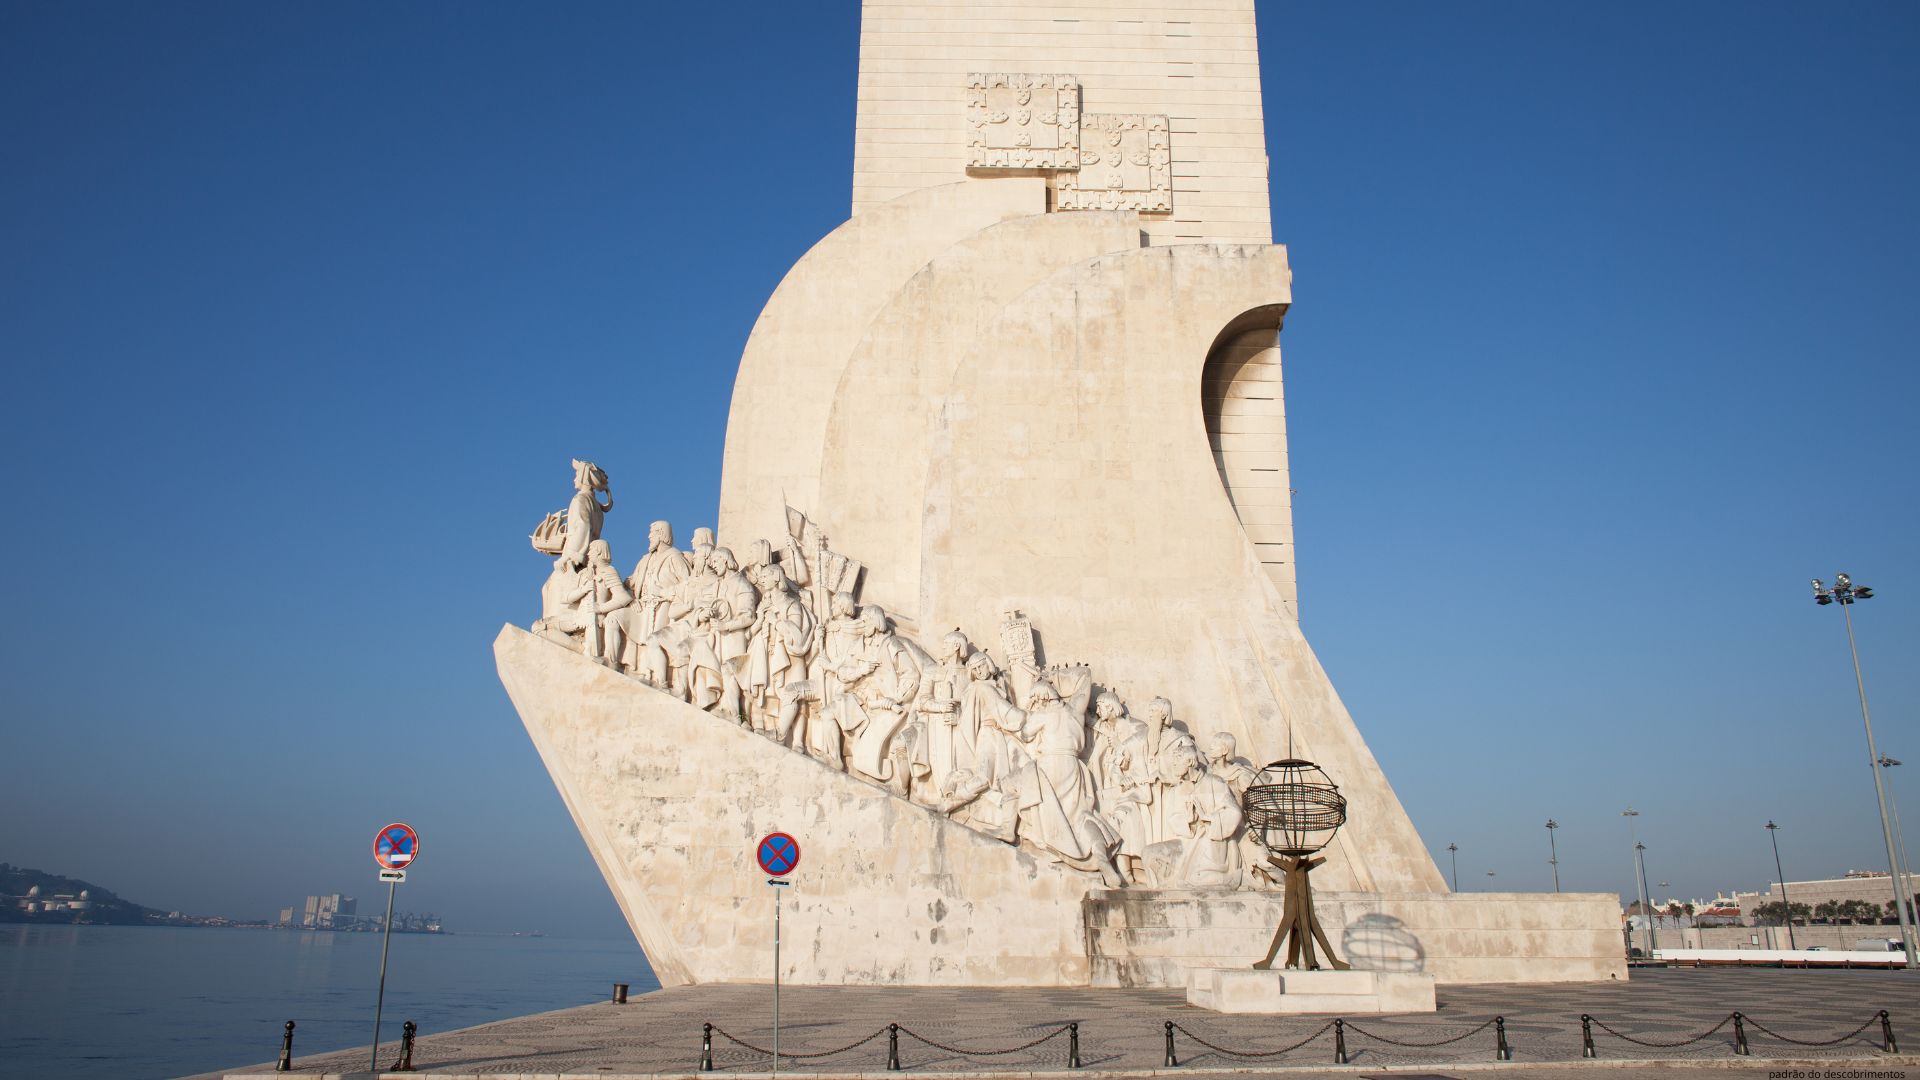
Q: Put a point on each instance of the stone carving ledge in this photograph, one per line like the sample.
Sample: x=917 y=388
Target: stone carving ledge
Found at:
x=1037 y=755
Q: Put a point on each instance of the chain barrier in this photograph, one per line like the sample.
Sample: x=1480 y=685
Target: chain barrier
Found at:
x=1358 y=1030
x=1054 y=1034
x=1654 y=1044
x=742 y=1043
x=1173 y=1027
x=1758 y=1026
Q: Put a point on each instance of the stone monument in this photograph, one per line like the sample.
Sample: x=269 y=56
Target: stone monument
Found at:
x=1000 y=607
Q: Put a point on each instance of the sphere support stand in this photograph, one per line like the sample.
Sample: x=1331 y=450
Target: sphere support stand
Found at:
x=1299 y=927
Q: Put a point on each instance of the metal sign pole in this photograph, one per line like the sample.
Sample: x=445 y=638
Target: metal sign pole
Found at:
x=386 y=938
x=776 y=979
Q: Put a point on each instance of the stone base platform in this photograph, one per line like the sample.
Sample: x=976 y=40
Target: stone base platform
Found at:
x=1154 y=937
x=1123 y=1032
x=1335 y=993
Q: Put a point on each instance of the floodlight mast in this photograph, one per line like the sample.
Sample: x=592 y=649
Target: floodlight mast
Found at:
x=1553 y=853
x=1844 y=592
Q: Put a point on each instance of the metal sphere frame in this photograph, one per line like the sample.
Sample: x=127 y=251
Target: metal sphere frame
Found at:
x=1293 y=810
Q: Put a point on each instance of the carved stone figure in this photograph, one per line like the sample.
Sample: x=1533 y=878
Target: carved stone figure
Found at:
x=1220 y=762
x=1156 y=718
x=1057 y=804
x=1212 y=855
x=822 y=695
x=586 y=603
x=585 y=513
x=780 y=643
x=950 y=736
x=655 y=577
x=882 y=678
x=1123 y=766
x=666 y=659
x=729 y=619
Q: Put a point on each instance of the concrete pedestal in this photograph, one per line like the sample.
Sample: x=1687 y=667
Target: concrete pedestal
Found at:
x=1344 y=993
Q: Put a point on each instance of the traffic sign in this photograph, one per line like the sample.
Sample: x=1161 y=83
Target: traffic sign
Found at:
x=396 y=847
x=778 y=854
x=396 y=876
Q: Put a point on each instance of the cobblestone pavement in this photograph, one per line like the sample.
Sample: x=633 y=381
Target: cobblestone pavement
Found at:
x=1675 y=1018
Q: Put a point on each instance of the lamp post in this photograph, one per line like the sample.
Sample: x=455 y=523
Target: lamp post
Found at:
x=1553 y=853
x=1899 y=837
x=1640 y=875
x=1489 y=881
x=1454 y=851
x=1773 y=834
x=1845 y=592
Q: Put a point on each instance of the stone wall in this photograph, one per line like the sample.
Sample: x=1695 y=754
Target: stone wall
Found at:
x=1195 y=63
x=1152 y=938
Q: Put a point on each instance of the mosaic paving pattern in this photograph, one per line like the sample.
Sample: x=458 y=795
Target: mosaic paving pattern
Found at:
x=1123 y=1030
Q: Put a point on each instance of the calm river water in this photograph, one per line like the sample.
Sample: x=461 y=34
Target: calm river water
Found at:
x=142 y=1002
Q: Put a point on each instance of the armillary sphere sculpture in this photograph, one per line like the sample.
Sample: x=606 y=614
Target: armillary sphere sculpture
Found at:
x=1293 y=810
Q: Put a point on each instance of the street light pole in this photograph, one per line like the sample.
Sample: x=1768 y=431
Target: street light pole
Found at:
x=1899 y=837
x=1640 y=875
x=1553 y=853
x=1454 y=851
x=1773 y=834
x=1846 y=592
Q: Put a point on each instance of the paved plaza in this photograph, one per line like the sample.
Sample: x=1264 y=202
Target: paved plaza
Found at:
x=945 y=1030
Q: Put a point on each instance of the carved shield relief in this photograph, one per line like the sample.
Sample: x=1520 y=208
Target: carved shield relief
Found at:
x=1125 y=164
x=1023 y=121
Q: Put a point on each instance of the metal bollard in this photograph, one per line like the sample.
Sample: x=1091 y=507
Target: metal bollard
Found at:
x=619 y=993
x=1171 y=1060
x=1501 y=1051
x=405 y=1061
x=1586 y=1036
x=1886 y=1033
x=1073 y=1046
x=286 y=1046
x=1740 y=1034
x=893 y=1047
x=706 y=1047
x=1339 y=1042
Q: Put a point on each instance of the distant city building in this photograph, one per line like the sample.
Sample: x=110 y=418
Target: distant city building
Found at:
x=320 y=910
x=337 y=912
x=34 y=903
x=1871 y=887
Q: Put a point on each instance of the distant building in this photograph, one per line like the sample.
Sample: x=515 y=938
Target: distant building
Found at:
x=35 y=903
x=286 y=916
x=1873 y=887
x=320 y=910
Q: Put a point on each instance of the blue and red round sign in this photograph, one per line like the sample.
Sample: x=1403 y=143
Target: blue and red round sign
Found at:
x=396 y=846
x=778 y=854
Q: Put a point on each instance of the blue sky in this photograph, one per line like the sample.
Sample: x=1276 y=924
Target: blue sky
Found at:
x=1601 y=346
